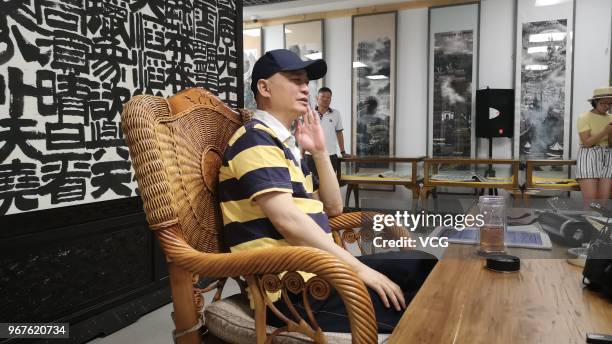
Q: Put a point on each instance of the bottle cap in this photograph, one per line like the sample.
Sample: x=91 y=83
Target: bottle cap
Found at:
x=503 y=263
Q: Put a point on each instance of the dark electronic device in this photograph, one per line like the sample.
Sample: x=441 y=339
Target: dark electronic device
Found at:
x=495 y=113
x=597 y=338
x=597 y=273
x=494 y=118
x=564 y=229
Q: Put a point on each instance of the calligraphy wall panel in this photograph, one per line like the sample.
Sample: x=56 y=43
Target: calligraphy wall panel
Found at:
x=67 y=68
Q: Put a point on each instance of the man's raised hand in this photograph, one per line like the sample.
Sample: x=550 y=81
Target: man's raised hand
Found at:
x=309 y=133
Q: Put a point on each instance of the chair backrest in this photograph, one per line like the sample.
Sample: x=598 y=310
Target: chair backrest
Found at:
x=176 y=146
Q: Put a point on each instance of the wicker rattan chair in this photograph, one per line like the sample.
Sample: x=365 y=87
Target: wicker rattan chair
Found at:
x=176 y=145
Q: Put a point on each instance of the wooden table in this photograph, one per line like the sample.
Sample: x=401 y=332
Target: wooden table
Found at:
x=354 y=180
x=431 y=165
x=463 y=302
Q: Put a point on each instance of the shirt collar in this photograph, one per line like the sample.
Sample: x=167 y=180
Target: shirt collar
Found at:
x=329 y=110
x=273 y=123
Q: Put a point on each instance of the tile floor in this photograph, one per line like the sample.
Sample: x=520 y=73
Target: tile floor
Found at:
x=155 y=327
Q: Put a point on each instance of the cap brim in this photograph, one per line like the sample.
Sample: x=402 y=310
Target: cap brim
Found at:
x=315 y=69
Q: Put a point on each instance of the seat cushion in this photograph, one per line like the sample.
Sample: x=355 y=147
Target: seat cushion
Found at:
x=231 y=320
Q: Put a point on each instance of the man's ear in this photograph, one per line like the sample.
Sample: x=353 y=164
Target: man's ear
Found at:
x=262 y=88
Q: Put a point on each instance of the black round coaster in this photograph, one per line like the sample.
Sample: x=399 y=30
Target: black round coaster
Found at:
x=503 y=263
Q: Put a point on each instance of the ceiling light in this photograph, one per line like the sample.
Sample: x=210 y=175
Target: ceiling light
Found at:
x=251 y=32
x=540 y=3
x=358 y=64
x=536 y=67
x=377 y=77
x=539 y=49
x=547 y=37
x=314 y=56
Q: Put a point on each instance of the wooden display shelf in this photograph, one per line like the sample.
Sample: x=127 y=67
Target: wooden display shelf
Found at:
x=355 y=180
x=509 y=183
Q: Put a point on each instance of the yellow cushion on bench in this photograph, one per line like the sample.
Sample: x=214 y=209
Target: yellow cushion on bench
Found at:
x=544 y=182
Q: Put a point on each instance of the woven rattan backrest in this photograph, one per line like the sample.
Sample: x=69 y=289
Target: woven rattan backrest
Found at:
x=176 y=146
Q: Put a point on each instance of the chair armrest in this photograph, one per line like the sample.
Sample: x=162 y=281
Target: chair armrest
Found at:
x=350 y=288
x=346 y=221
x=363 y=220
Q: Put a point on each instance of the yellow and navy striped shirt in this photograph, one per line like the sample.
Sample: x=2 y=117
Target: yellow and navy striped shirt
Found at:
x=256 y=162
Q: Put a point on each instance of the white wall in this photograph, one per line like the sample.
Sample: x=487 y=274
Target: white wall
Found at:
x=337 y=53
x=273 y=37
x=496 y=66
x=411 y=104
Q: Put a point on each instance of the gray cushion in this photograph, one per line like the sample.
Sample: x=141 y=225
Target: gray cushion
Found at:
x=231 y=320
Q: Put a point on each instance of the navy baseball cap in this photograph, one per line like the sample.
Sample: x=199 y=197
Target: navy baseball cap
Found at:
x=283 y=60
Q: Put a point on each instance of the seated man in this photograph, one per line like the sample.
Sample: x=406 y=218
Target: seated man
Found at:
x=268 y=198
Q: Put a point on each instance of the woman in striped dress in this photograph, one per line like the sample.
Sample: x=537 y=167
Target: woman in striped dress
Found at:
x=594 y=162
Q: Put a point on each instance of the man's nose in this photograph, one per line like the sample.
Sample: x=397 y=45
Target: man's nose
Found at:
x=305 y=88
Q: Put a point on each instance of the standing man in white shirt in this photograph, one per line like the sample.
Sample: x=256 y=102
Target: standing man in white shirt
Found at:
x=331 y=123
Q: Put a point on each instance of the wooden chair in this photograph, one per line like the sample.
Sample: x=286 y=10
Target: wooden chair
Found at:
x=176 y=146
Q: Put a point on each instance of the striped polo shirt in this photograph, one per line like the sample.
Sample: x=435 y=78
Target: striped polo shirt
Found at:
x=258 y=160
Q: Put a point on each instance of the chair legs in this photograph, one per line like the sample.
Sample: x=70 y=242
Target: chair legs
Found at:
x=185 y=315
x=416 y=192
x=260 y=310
x=424 y=193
